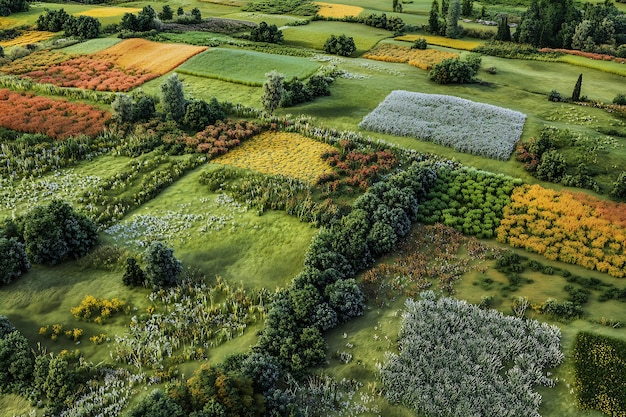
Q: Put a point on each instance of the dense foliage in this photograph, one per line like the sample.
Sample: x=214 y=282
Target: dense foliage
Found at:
x=8 y=7
x=453 y=355
x=162 y=268
x=455 y=71
x=266 y=33
x=13 y=260
x=341 y=45
x=600 y=372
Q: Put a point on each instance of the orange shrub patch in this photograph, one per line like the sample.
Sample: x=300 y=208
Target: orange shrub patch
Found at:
x=56 y=118
x=31 y=36
x=568 y=227
x=154 y=57
x=337 y=10
x=421 y=58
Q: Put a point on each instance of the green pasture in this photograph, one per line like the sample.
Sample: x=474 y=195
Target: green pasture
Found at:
x=91 y=46
x=604 y=66
x=245 y=67
x=195 y=38
x=36 y=9
x=271 y=19
x=316 y=33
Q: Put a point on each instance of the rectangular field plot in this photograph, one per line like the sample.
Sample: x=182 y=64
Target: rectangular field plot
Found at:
x=467 y=126
x=246 y=67
x=153 y=57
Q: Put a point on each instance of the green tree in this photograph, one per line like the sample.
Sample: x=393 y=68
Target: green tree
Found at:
x=453 y=71
x=133 y=274
x=162 y=268
x=577 y=88
x=166 y=13
x=16 y=363
x=551 y=167
x=13 y=6
x=504 y=31
x=84 y=27
x=433 y=18
x=452 y=20
x=346 y=298
x=266 y=33
x=200 y=114
x=273 y=91
x=53 y=20
x=196 y=15
x=173 y=98
x=180 y=11
x=445 y=5
x=619 y=186
x=341 y=45
x=467 y=8
x=13 y=260
x=156 y=404
x=123 y=108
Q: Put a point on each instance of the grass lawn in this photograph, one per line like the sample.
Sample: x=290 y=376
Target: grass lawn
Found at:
x=91 y=46
x=316 y=33
x=246 y=67
x=271 y=19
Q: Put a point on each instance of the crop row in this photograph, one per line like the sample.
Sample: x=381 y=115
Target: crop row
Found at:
x=467 y=126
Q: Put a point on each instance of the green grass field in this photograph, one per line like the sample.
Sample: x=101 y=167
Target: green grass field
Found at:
x=91 y=46
x=245 y=67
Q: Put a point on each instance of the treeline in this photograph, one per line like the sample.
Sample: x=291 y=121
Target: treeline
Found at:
x=85 y=27
x=392 y=23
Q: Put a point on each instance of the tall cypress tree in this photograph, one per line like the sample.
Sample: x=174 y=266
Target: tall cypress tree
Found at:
x=504 y=31
x=577 y=87
x=433 y=19
x=452 y=21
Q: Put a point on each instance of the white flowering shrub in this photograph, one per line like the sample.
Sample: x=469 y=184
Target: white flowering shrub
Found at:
x=467 y=126
x=458 y=360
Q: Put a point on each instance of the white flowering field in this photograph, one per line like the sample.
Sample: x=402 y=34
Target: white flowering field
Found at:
x=458 y=360
x=467 y=126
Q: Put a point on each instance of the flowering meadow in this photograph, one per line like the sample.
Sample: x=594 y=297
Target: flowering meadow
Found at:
x=27 y=37
x=337 y=10
x=152 y=57
x=289 y=154
x=422 y=58
x=56 y=118
x=457 y=359
x=108 y=11
x=467 y=126
x=441 y=41
x=567 y=227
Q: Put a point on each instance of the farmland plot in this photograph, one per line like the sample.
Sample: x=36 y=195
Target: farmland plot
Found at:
x=246 y=67
x=421 y=58
x=467 y=126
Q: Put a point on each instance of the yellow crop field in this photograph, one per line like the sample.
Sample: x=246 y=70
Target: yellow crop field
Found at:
x=154 y=57
x=421 y=58
x=31 y=36
x=284 y=153
x=441 y=41
x=337 y=10
x=108 y=11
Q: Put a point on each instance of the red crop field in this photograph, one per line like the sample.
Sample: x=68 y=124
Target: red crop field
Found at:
x=56 y=118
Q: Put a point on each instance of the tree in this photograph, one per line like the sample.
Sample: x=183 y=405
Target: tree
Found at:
x=433 y=18
x=133 y=274
x=466 y=9
x=397 y=6
x=52 y=20
x=200 y=114
x=84 y=27
x=346 y=298
x=266 y=33
x=162 y=268
x=619 y=186
x=173 y=98
x=13 y=260
x=453 y=71
x=55 y=232
x=16 y=363
x=452 y=19
x=156 y=404
x=145 y=19
x=13 y=6
x=166 y=13
x=581 y=34
x=180 y=11
x=123 y=108
x=144 y=108
x=551 y=167
x=445 y=5
x=273 y=91
x=577 y=87
x=504 y=31
x=196 y=15
x=341 y=45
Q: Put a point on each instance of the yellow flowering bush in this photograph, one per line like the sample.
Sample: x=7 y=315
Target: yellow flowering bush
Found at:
x=421 y=58
x=97 y=309
x=284 y=153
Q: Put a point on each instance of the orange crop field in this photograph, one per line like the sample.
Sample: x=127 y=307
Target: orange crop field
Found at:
x=337 y=10
x=157 y=58
x=281 y=153
x=421 y=58
x=56 y=118
x=31 y=36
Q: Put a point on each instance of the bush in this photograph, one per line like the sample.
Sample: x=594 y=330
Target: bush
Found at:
x=13 y=260
x=162 y=268
x=619 y=186
x=551 y=167
x=266 y=33
x=341 y=45
x=620 y=99
x=555 y=96
x=455 y=71
x=200 y=114
x=420 y=43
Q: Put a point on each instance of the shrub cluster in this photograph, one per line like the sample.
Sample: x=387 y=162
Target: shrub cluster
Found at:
x=97 y=309
x=341 y=45
x=455 y=71
x=296 y=92
x=266 y=33
x=394 y=23
x=13 y=260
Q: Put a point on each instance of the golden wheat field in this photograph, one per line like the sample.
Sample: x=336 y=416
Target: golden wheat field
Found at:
x=284 y=153
x=108 y=11
x=424 y=59
x=441 y=41
x=31 y=36
x=337 y=10
x=154 y=57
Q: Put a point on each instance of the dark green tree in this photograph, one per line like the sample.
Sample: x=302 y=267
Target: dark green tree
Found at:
x=266 y=33
x=162 y=268
x=166 y=13
x=504 y=31
x=452 y=71
x=341 y=45
x=196 y=15
x=13 y=260
x=577 y=88
x=551 y=167
x=144 y=108
x=433 y=18
x=180 y=11
x=467 y=8
x=452 y=20
x=346 y=298
x=52 y=20
x=199 y=114
x=16 y=362
x=13 y=6
x=133 y=274
x=273 y=90
x=619 y=186
x=84 y=27
x=445 y=5
x=156 y=404
x=173 y=98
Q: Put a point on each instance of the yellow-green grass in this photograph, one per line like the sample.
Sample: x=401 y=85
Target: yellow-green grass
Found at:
x=195 y=37
x=91 y=46
x=605 y=66
x=258 y=251
x=207 y=88
x=462 y=44
x=316 y=33
x=36 y=9
x=28 y=37
x=271 y=19
x=246 y=67
x=337 y=10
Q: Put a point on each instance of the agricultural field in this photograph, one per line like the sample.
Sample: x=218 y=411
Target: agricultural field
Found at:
x=197 y=218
